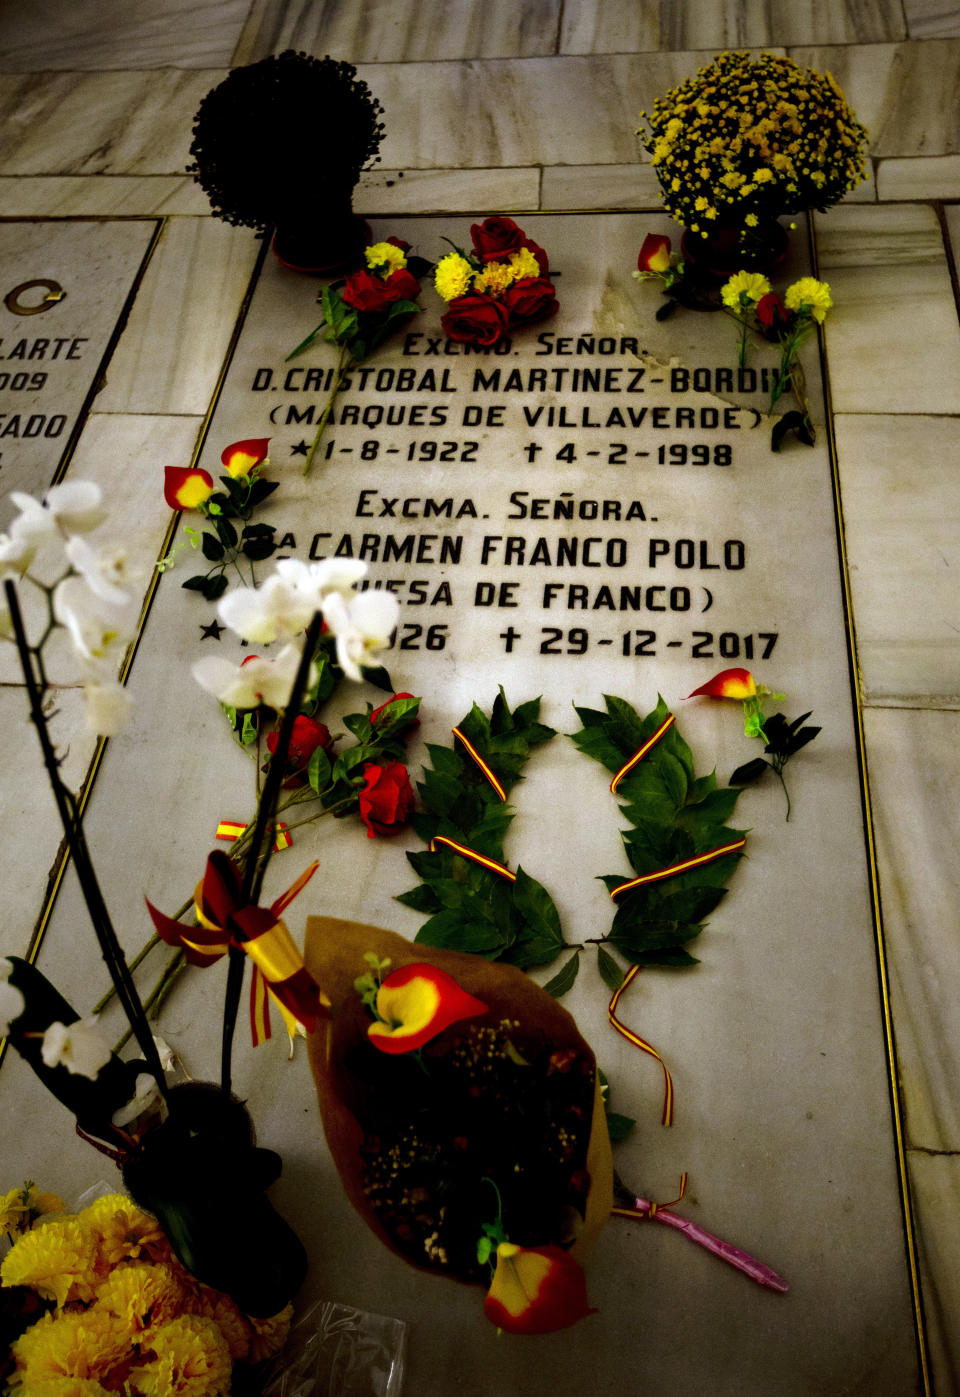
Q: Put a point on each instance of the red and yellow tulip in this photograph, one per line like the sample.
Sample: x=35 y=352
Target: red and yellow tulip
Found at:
x=654 y=255
x=729 y=683
x=241 y=457
x=186 y=489
x=536 y=1290
x=414 y=1004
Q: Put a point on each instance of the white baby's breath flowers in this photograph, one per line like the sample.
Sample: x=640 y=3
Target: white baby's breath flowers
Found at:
x=80 y=1047
x=12 y=1002
x=362 y=625
x=256 y=680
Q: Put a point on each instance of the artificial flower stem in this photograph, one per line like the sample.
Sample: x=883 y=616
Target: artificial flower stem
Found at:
x=342 y=363
x=262 y=839
x=735 y=1256
x=798 y=382
x=83 y=864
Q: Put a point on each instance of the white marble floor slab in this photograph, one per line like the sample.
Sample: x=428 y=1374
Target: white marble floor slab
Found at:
x=109 y=195
x=445 y=191
x=903 y=540
x=932 y=19
x=172 y=348
x=47 y=34
x=892 y=338
x=935 y=1183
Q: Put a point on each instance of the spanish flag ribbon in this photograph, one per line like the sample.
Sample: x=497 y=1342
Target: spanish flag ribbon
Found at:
x=641 y=1043
x=484 y=767
x=639 y=755
x=225 y=920
x=472 y=855
x=228 y=830
x=694 y=862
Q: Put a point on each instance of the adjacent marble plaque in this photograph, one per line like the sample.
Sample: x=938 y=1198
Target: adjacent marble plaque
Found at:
x=589 y=508
x=62 y=290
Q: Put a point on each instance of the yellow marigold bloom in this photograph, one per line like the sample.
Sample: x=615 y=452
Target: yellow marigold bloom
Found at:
x=495 y=278
x=124 y=1231
x=191 y=1359
x=385 y=255
x=86 y=1344
x=523 y=264
x=762 y=175
x=744 y=286
x=57 y=1260
x=20 y=1208
x=699 y=203
x=141 y=1295
x=269 y=1335
x=811 y=296
x=732 y=179
x=452 y=277
x=228 y=1318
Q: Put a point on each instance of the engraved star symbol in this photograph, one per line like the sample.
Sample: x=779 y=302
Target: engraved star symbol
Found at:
x=212 y=632
x=301 y=448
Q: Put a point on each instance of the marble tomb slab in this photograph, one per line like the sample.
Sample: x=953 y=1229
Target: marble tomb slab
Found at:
x=64 y=288
x=590 y=508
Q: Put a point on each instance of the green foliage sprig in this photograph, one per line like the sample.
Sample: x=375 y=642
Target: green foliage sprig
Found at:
x=471 y=908
x=225 y=545
x=673 y=815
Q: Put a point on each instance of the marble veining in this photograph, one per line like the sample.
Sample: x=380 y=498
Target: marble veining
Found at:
x=932 y=19
x=919 y=177
x=400 y=31
x=105 y=195
x=935 y=1185
x=599 y=26
x=47 y=35
x=382 y=191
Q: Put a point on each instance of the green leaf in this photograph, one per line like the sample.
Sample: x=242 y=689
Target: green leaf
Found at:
x=450 y=930
x=319 y=771
x=211 y=547
x=421 y=898
x=610 y=972
x=537 y=908
x=619 y=1127
x=564 y=978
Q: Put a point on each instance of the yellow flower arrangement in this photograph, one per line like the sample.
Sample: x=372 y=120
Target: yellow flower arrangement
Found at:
x=387 y=256
x=809 y=296
x=128 y=1317
x=453 y=276
x=21 y=1207
x=748 y=139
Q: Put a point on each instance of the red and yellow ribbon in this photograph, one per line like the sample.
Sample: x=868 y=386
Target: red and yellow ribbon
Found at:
x=685 y=864
x=639 y=755
x=228 y=830
x=641 y=1043
x=224 y=920
x=484 y=767
x=472 y=855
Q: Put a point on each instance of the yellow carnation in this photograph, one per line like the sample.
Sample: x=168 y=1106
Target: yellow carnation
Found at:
x=811 y=296
x=269 y=1335
x=86 y=1344
x=124 y=1230
x=141 y=1295
x=452 y=277
x=21 y=1207
x=744 y=287
x=190 y=1359
x=495 y=278
x=523 y=264
x=228 y=1318
x=385 y=255
x=65 y=1387
x=57 y=1260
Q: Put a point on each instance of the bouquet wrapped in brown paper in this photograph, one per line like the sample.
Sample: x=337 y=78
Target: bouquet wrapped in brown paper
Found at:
x=462 y=1108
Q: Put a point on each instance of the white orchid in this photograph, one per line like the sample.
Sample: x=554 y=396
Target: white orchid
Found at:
x=289 y=598
x=16 y=553
x=107 y=704
x=65 y=510
x=80 y=1047
x=146 y=1097
x=12 y=1002
x=256 y=680
x=105 y=570
x=97 y=627
x=362 y=626
x=6 y=618
x=320 y=579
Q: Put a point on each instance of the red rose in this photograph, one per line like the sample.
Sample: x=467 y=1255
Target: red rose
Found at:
x=367 y=292
x=496 y=238
x=528 y=300
x=307 y=736
x=387 y=798
x=377 y=712
x=474 y=320
x=771 y=312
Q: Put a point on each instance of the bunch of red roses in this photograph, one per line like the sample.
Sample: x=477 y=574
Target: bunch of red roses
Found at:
x=502 y=283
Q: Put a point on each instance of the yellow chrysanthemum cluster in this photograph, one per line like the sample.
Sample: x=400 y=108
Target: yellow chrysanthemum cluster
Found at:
x=455 y=275
x=385 y=258
x=20 y=1208
x=128 y=1315
x=752 y=138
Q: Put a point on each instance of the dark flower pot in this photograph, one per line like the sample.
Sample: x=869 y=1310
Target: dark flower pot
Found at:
x=202 y=1176
x=733 y=248
x=326 y=245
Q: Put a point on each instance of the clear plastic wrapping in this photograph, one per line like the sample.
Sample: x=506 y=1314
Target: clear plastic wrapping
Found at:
x=337 y=1351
